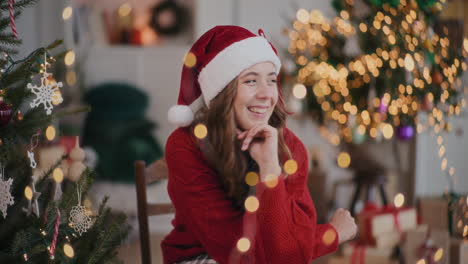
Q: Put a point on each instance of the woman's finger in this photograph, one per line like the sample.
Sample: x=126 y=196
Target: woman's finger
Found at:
x=253 y=133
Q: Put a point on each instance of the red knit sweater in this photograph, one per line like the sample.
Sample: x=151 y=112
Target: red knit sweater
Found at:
x=283 y=229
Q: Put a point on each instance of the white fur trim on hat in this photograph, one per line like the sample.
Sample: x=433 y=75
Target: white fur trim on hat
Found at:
x=180 y=115
x=231 y=61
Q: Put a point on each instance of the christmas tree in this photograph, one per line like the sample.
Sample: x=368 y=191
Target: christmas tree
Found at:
x=42 y=217
x=374 y=67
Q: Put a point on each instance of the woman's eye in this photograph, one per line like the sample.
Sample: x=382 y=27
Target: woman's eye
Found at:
x=273 y=81
x=250 y=82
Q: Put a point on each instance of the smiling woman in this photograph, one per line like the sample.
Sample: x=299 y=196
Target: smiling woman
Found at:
x=234 y=202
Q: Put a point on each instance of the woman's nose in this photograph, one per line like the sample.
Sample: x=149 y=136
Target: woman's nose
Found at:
x=264 y=90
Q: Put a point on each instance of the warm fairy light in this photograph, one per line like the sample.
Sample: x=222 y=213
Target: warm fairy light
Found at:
x=190 y=60
x=399 y=200
x=465 y=44
x=58 y=175
x=443 y=165
x=28 y=193
x=421 y=261
x=302 y=15
x=67 y=12
x=71 y=78
x=363 y=27
x=409 y=62
x=271 y=181
x=329 y=237
x=70 y=58
x=200 y=131
x=373 y=132
x=68 y=250
x=57 y=97
x=316 y=17
x=440 y=140
x=451 y=171
x=441 y=151
x=438 y=255
x=251 y=178
x=344 y=160
x=299 y=91
x=344 y=14
x=50 y=133
x=465 y=231
x=290 y=166
x=243 y=244
x=387 y=131
x=124 y=10
x=251 y=204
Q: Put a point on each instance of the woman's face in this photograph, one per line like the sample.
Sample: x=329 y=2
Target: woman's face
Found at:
x=257 y=95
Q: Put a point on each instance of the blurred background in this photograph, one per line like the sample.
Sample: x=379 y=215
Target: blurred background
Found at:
x=378 y=90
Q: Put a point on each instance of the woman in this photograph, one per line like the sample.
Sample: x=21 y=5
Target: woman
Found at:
x=222 y=216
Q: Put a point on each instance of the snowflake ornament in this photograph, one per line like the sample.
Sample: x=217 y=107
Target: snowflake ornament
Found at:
x=5 y=195
x=47 y=93
x=79 y=219
x=32 y=161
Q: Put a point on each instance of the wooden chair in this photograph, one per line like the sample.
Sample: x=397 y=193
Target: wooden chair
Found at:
x=144 y=176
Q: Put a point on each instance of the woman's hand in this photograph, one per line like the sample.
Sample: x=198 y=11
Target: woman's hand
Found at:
x=344 y=224
x=262 y=143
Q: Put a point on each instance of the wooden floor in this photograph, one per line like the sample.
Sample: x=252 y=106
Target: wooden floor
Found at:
x=130 y=251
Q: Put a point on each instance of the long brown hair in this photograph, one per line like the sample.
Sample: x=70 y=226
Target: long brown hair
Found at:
x=223 y=150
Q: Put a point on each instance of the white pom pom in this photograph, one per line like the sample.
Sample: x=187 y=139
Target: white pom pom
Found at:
x=180 y=115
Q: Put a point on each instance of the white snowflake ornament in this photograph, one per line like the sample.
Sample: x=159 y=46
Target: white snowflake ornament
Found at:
x=5 y=195
x=32 y=161
x=47 y=93
x=79 y=219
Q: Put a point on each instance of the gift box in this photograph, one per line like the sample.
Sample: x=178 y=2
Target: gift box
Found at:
x=368 y=260
x=458 y=251
x=383 y=226
x=424 y=243
x=445 y=213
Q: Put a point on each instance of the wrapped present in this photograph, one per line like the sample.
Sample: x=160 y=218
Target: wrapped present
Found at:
x=453 y=219
x=375 y=222
x=388 y=240
x=367 y=260
x=458 y=251
x=432 y=246
x=359 y=250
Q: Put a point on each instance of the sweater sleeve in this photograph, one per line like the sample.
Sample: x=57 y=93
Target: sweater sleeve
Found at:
x=282 y=230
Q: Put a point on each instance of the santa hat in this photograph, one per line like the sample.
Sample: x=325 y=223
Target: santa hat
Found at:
x=221 y=54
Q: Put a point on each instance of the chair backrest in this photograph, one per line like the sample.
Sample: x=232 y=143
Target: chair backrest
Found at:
x=144 y=176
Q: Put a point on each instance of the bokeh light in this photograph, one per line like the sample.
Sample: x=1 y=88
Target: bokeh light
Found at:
x=243 y=244
x=251 y=178
x=58 y=175
x=251 y=204
x=344 y=160
x=200 y=131
x=50 y=133
x=28 y=193
x=290 y=166
x=399 y=200
x=190 y=60
x=299 y=91
x=68 y=250
x=328 y=237
x=67 y=13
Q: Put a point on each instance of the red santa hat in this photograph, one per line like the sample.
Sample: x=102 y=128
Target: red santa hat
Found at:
x=221 y=54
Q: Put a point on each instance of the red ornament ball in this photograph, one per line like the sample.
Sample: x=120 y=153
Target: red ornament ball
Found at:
x=5 y=113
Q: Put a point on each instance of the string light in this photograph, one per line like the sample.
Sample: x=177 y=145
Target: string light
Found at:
x=67 y=13
x=200 y=131
x=50 y=133
x=243 y=244
x=344 y=160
